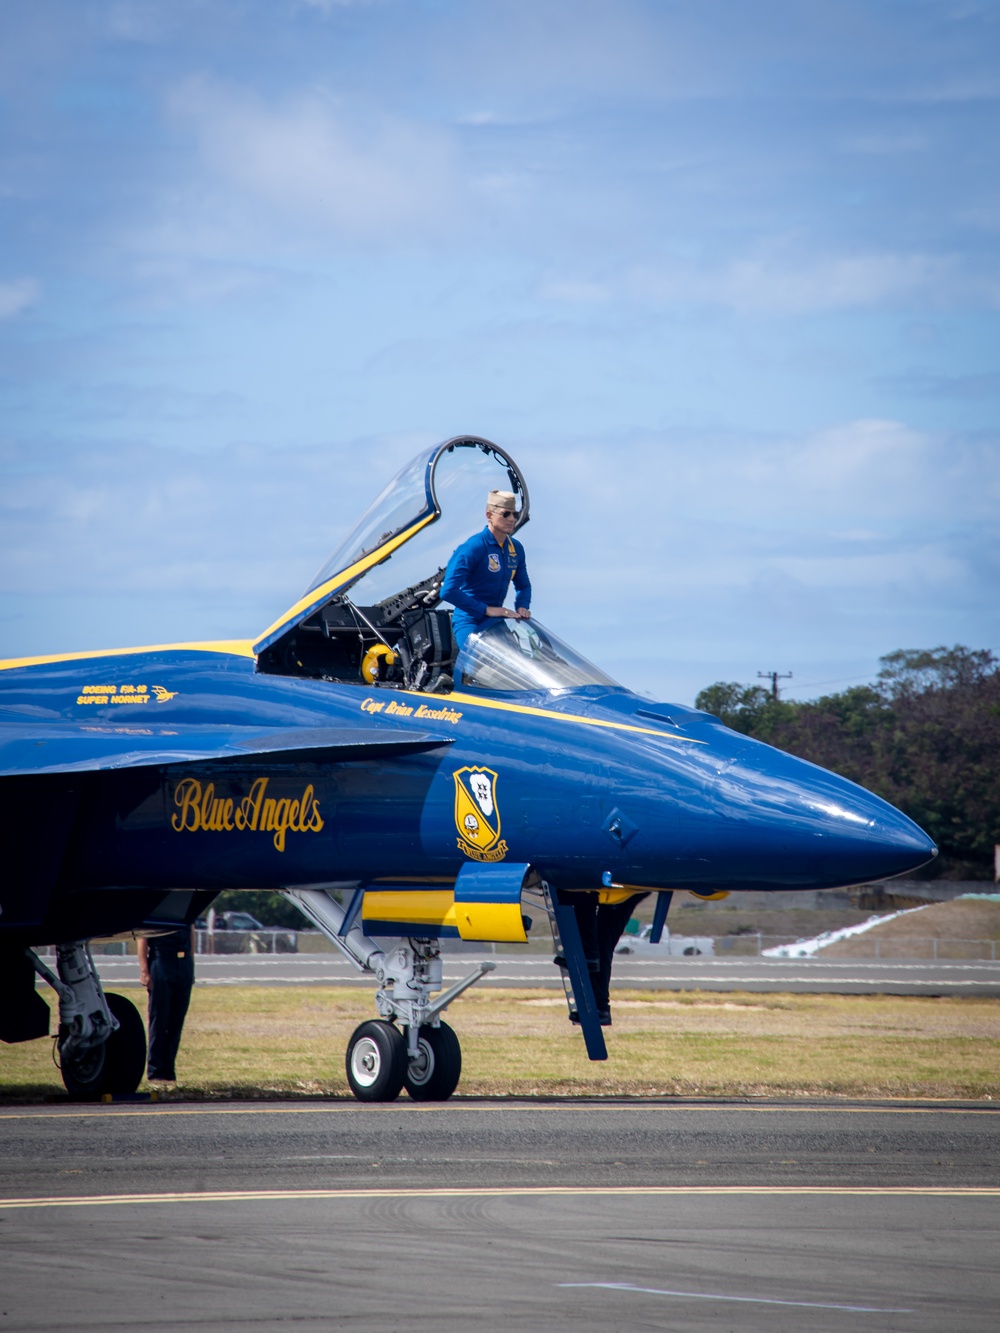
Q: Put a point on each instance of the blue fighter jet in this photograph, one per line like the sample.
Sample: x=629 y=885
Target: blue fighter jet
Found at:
x=400 y=793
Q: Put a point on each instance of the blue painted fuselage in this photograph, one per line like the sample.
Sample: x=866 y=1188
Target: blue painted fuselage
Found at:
x=126 y=772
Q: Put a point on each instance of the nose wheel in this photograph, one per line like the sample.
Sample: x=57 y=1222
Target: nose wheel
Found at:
x=379 y=1067
x=433 y=1076
x=376 y=1061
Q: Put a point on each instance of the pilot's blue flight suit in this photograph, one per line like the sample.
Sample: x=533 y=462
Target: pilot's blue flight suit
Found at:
x=478 y=575
x=171 y=973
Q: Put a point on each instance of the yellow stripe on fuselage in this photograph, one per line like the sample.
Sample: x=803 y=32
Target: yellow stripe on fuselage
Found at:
x=244 y=648
x=228 y=647
x=553 y=714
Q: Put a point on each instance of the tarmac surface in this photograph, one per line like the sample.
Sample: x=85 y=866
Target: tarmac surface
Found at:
x=501 y=1214
x=803 y=975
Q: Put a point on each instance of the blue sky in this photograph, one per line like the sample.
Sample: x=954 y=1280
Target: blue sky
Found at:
x=724 y=278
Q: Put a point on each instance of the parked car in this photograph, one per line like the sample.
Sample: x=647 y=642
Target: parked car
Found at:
x=670 y=945
x=240 y=932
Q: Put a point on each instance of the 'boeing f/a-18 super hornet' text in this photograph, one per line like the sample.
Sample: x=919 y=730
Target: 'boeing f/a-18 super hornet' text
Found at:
x=398 y=792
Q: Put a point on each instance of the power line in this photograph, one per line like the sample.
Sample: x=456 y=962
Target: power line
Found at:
x=774 y=677
x=840 y=680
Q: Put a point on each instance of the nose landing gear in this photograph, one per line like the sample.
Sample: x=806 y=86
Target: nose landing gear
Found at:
x=409 y=1046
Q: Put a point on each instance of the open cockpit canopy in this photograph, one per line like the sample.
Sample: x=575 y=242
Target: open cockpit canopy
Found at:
x=373 y=613
x=406 y=535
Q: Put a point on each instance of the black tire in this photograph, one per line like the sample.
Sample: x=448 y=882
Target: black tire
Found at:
x=83 y=1073
x=125 y=1051
x=376 y=1061
x=434 y=1076
x=115 y=1067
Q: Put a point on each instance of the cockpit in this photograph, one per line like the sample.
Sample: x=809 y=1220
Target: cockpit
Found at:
x=373 y=614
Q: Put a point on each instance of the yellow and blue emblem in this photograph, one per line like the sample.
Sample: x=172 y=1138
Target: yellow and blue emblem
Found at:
x=494 y=563
x=477 y=816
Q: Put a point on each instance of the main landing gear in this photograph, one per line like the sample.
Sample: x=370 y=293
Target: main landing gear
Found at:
x=409 y=1046
x=102 y=1041
x=379 y=1066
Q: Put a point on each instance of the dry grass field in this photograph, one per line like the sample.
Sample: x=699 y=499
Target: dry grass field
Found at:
x=264 y=1042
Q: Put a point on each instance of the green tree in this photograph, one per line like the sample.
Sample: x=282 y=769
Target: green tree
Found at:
x=739 y=706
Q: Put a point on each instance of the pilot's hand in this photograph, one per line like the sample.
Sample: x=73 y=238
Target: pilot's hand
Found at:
x=145 y=980
x=501 y=611
x=523 y=613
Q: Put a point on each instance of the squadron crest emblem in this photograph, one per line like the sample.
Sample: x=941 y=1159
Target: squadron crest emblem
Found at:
x=477 y=817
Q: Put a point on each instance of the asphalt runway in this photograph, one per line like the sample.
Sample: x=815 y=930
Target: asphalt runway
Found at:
x=501 y=1215
x=803 y=975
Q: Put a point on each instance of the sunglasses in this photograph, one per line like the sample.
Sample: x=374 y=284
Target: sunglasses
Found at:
x=504 y=513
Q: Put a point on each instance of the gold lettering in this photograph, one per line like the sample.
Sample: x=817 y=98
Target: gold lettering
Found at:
x=248 y=814
x=206 y=806
x=280 y=823
x=198 y=808
x=187 y=795
x=439 y=714
x=497 y=854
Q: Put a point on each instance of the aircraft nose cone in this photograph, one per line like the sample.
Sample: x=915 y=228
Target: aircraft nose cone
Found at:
x=813 y=826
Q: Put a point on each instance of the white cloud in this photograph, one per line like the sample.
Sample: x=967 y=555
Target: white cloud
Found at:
x=775 y=279
x=868 y=506
x=17 y=296
x=308 y=164
x=774 y=284
x=143 y=21
x=329 y=6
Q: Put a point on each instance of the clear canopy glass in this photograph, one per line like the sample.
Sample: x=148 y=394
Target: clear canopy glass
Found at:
x=406 y=499
x=452 y=481
x=411 y=529
x=524 y=655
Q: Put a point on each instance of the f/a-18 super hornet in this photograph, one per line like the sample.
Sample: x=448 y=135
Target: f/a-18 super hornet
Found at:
x=399 y=791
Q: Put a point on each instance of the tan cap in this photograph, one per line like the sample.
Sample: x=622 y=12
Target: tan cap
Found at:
x=502 y=500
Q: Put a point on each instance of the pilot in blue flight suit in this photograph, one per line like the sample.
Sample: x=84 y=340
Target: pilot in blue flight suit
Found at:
x=481 y=570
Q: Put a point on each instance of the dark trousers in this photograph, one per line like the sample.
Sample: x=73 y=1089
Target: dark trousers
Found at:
x=585 y=909
x=611 y=922
x=171 y=980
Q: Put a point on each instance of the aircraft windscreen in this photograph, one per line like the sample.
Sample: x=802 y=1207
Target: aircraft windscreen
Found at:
x=524 y=655
x=463 y=477
x=405 y=500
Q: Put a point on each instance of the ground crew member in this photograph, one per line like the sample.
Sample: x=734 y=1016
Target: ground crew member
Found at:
x=482 y=569
x=166 y=969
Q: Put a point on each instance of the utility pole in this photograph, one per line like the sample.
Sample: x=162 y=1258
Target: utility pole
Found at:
x=774 y=677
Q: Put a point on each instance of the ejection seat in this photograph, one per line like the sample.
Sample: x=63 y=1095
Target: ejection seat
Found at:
x=432 y=646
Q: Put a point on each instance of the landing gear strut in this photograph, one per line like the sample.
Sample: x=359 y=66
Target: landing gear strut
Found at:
x=102 y=1041
x=408 y=1046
